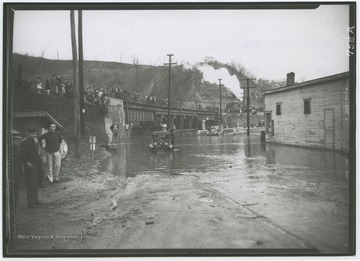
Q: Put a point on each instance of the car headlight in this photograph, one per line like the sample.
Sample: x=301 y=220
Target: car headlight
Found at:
x=151 y=146
x=155 y=143
x=166 y=143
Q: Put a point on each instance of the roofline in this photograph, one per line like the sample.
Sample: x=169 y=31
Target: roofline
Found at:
x=308 y=83
x=32 y=114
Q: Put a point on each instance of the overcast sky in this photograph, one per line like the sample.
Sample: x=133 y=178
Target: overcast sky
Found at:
x=269 y=43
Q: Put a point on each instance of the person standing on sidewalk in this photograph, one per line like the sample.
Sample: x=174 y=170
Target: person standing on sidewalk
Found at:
x=53 y=140
x=29 y=151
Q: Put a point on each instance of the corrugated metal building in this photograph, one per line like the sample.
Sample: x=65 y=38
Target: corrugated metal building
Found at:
x=313 y=113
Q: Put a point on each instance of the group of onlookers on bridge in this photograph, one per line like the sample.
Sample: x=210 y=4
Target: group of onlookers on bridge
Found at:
x=95 y=96
x=101 y=97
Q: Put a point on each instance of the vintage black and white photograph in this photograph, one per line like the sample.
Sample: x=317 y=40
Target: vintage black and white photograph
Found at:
x=179 y=129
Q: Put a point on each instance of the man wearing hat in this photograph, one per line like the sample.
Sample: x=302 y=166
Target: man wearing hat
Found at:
x=29 y=151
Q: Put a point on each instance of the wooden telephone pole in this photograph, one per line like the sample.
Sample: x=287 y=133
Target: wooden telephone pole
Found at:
x=169 y=121
x=181 y=122
x=220 y=104
x=81 y=76
x=10 y=232
x=248 y=103
x=76 y=86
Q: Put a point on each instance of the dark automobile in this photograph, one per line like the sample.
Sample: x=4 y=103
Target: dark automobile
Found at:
x=161 y=140
x=214 y=131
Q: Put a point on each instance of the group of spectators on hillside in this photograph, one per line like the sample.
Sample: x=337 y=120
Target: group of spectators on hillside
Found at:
x=58 y=85
x=55 y=84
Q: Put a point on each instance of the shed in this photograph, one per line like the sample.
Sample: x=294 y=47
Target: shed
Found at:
x=313 y=113
x=39 y=120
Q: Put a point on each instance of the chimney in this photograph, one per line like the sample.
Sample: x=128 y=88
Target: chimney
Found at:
x=290 y=79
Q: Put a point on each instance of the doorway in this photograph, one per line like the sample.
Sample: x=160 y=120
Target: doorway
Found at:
x=268 y=122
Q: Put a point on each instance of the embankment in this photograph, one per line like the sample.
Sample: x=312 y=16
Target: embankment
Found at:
x=62 y=109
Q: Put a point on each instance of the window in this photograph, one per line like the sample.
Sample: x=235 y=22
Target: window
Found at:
x=278 y=109
x=307 y=109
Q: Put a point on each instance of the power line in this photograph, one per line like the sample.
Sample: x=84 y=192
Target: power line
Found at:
x=42 y=55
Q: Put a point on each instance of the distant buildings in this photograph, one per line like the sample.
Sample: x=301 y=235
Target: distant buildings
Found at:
x=313 y=113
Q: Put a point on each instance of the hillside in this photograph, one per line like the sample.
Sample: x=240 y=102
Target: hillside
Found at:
x=144 y=79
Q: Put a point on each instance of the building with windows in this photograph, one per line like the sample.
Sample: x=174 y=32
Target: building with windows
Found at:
x=313 y=113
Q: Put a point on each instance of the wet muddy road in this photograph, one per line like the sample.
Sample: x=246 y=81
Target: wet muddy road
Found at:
x=211 y=192
x=304 y=192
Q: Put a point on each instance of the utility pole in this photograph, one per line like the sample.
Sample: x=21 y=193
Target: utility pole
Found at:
x=181 y=123
x=81 y=76
x=76 y=86
x=169 y=121
x=248 y=103
x=10 y=174
x=220 y=104
x=127 y=112
x=126 y=102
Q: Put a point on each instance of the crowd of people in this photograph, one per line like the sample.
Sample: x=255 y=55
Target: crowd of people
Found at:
x=34 y=156
x=101 y=97
x=55 y=84
x=98 y=96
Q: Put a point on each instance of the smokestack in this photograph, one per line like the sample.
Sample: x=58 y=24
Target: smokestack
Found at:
x=290 y=79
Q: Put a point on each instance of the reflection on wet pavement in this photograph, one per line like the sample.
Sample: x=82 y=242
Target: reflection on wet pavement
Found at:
x=212 y=154
x=304 y=191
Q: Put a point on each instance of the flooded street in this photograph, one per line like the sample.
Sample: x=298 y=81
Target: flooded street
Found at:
x=226 y=192
x=303 y=192
x=204 y=153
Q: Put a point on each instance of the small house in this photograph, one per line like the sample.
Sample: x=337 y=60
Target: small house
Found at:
x=313 y=113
